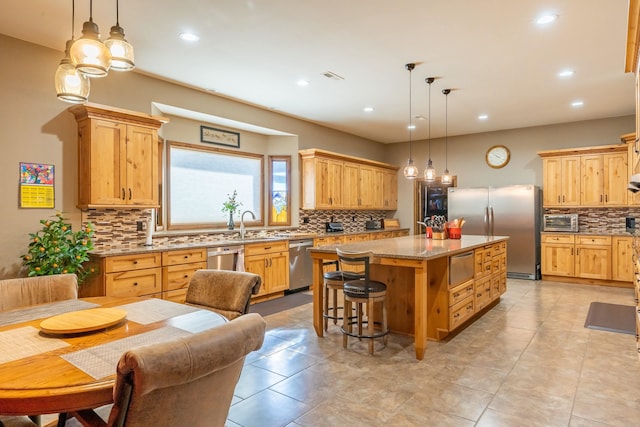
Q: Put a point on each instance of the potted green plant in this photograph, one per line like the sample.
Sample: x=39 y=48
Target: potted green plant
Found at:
x=56 y=249
x=231 y=205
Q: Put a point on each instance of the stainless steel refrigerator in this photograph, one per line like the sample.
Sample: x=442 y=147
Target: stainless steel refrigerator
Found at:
x=512 y=211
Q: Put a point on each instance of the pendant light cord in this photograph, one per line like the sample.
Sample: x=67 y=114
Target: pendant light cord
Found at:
x=446 y=131
x=73 y=18
x=429 y=113
x=117 y=13
x=410 y=118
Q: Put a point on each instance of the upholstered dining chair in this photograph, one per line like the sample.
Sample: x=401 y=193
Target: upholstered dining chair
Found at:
x=25 y=291
x=185 y=382
x=225 y=292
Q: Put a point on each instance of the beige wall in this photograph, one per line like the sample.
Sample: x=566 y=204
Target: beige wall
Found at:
x=466 y=154
x=37 y=128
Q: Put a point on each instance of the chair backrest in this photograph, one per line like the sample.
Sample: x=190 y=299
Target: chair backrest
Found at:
x=225 y=292
x=355 y=261
x=185 y=382
x=25 y=291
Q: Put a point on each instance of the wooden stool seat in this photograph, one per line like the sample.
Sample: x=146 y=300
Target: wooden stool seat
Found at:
x=333 y=282
x=361 y=292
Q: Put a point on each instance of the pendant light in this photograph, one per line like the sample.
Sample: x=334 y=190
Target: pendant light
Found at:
x=88 y=53
x=71 y=85
x=121 y=50
x=410 y=170
x=446 y=177
x=429 y=172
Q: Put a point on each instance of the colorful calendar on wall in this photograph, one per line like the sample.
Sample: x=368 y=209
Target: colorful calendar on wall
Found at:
x=37 y=185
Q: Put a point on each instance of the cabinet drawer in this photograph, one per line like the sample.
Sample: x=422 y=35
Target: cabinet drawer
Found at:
x=184 y=256
x=482 y=296
x=558 y=238
x=594 y=240
x=461 y=292
x=132 y=262
x=265 y=248
x=461 y=312
x=179 y=296
x=134 y=283
x=178 y=276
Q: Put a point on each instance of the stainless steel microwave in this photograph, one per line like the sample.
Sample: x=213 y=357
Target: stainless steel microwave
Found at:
x=561 y=222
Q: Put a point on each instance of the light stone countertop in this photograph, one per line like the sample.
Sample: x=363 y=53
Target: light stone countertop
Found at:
x=413 y=247
x=140 y=248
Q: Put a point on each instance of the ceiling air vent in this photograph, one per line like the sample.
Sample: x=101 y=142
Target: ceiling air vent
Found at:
x=332 y=75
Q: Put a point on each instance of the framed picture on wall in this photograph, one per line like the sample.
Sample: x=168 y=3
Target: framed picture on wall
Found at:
x=219 y=137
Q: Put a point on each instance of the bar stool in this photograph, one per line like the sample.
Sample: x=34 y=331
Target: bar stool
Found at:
x=333 y=282
x=363 y=291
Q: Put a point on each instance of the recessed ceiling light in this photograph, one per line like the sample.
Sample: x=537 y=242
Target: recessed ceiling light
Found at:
x=483 y=117
x=577 y=103
x=546 y=19
x=367 y=109
x=303 y=82
x=189 y=37
x=411 y=127
x=566 y=73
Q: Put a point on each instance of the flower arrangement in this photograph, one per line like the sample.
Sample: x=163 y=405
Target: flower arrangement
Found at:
x=56 y=249
x=232 y=205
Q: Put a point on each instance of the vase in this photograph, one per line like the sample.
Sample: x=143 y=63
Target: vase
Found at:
x=230 y=224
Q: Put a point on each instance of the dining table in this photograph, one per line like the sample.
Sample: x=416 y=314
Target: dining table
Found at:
x=61 y=357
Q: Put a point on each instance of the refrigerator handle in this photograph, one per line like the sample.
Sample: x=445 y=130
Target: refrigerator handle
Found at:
x=491 y=221
x=486 y=221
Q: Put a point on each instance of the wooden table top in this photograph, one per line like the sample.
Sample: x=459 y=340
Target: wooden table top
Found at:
x=46 y=380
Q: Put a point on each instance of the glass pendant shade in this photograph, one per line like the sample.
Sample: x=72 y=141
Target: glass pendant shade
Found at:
x=71 y=85
x=430 y=172
x=121 y=50
x=410 y=170
x=446 y=177
x=89 y=54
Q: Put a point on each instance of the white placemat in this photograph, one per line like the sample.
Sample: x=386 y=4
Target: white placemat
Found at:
x=154 y=310
x=42 y=311
x=101 y=361
x=24 y=342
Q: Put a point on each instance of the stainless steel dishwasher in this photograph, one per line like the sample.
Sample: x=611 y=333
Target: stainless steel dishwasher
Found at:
x=224 y=258
x=461 y=268
x=300 y=266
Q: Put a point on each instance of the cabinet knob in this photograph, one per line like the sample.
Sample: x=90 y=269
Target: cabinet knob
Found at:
x=135 y=283
x=135 y=262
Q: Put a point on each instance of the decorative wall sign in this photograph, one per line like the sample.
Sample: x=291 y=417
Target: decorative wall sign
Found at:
x=37 y=186
x=219 y=137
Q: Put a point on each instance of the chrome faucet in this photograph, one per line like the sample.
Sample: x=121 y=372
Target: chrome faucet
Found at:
x=242 y=222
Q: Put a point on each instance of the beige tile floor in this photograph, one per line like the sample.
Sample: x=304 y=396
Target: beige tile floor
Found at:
x=529 y=361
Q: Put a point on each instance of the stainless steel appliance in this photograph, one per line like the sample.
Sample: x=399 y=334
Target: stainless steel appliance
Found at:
x=560 y=222
x=225 y=258
x=433 y=199
x=461 y=268
x=300 y=265
x=512 y=211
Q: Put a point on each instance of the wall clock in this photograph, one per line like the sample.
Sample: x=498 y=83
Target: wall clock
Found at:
x=498 y=156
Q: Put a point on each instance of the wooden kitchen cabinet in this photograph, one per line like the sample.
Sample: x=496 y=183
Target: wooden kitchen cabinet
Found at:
x=117 y=157
x=604 y=179
x=561 y=181
x=593 y=257
x=335 y=181
x=588 y=176
x=622 y=258
x=357 y=185
x=125 y=275
x=271 y=262
x=178 y=268
x=385 y=184
x=557 y=255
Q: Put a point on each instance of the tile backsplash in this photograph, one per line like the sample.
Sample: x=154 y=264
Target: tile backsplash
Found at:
x=119 y=227
x=599 y=220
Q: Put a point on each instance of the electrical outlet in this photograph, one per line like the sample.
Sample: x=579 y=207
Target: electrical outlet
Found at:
x=305 y=220
x=139 y=225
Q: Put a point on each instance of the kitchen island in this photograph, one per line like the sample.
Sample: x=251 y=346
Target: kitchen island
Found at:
x=420 y=299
